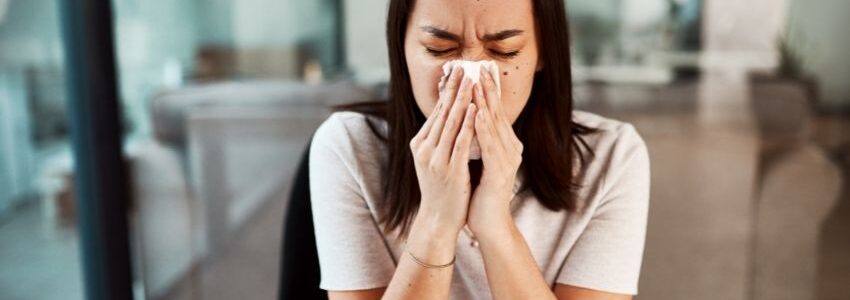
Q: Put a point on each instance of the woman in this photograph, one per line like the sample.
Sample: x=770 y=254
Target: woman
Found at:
x=555 y=208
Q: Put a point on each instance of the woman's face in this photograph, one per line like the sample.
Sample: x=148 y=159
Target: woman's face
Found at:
x=498 y=30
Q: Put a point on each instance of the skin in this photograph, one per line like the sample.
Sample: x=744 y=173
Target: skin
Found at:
x=471 y=21
x=459 y=111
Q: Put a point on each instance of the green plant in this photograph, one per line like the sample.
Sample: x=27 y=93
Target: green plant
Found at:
x=791 y=61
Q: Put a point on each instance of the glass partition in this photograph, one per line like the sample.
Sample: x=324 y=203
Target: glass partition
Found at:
x=39 y=256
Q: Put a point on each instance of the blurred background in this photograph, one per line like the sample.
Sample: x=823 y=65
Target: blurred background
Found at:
x=744 y=105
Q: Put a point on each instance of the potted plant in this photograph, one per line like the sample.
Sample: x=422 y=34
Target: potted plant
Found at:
x=783 y=100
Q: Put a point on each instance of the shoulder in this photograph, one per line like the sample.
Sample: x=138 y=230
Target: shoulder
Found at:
x=606 y=126
x=348 y=137
x=346 y=127
x=346 y=122
x=609 y=135
x=619 y=155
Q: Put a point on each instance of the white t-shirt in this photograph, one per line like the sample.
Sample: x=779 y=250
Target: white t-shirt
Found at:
x=598 y=247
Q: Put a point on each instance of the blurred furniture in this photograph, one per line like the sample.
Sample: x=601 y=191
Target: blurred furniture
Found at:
x=16 y=150
x=215 y=63
x=783 y=111
x=799 y=186
x=299 y=258
x=34 y=157
x=219 y=152
x=797 y=194
x=726 y=222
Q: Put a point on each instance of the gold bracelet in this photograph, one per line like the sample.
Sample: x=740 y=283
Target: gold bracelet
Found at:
x=421 y=263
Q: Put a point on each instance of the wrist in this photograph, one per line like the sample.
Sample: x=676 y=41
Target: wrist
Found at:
x=435 y=224
x=430 y=242
x=493 y=224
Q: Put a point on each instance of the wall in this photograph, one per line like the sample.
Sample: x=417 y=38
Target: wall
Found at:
x=155 y=42
x=818 y=29
x=29 y=44
x=17 y=158
x=365 y=40
x=29 y=34
x=215 y=21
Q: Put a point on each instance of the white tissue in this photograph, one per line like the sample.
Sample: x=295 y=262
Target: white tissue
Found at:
x=472 y=70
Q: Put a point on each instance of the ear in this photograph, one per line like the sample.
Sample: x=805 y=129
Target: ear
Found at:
x=539 y=66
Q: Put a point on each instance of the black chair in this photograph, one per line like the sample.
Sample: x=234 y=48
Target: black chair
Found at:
x=299 y=259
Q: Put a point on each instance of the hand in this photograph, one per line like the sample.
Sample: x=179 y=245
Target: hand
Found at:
x=441 y=155
x=501 y=154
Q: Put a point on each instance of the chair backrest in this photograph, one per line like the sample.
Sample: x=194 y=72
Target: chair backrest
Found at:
x=800 y=190
x=299 y=259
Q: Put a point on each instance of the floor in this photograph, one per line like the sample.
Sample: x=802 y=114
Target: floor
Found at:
x=35 y=254
x=38 y=259
x=248 y=269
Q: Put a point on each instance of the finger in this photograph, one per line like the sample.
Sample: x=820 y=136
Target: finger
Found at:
x=460 y=155
x=482 y=100
x=452 y=82
x=447 y=100
x=504 y=130
x=479 y=98
x=455 y=118
x=493 y=101
x=491 y=93
x=487 y=140
x=500 y=120
x=422 y=134
x=442 y=83
x=444 y=80
x=441 y=101
x=461 y=102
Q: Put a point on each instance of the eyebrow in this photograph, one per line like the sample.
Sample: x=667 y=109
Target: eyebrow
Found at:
x=443 y=34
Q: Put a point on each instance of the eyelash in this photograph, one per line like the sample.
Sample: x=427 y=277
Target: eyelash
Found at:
x=439 y=53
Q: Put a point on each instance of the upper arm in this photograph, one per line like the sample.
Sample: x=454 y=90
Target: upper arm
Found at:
x=568 y=292
x=352 y=251
x=371 y=294
x=607 y=255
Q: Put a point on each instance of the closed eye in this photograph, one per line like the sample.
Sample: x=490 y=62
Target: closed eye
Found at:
x=510 y=54
x=438 y=53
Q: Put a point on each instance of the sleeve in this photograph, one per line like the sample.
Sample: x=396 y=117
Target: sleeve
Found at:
x=352 y=252
x=608 y=254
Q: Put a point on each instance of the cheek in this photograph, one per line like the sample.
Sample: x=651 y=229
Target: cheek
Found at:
x=517 y=80
x=425 y=75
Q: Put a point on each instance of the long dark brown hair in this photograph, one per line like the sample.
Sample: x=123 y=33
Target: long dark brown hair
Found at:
x=550 y=138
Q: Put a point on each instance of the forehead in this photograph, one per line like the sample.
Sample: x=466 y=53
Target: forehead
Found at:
x=479 y=15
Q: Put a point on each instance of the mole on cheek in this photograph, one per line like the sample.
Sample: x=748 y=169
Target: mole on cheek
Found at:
x=505 y=73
